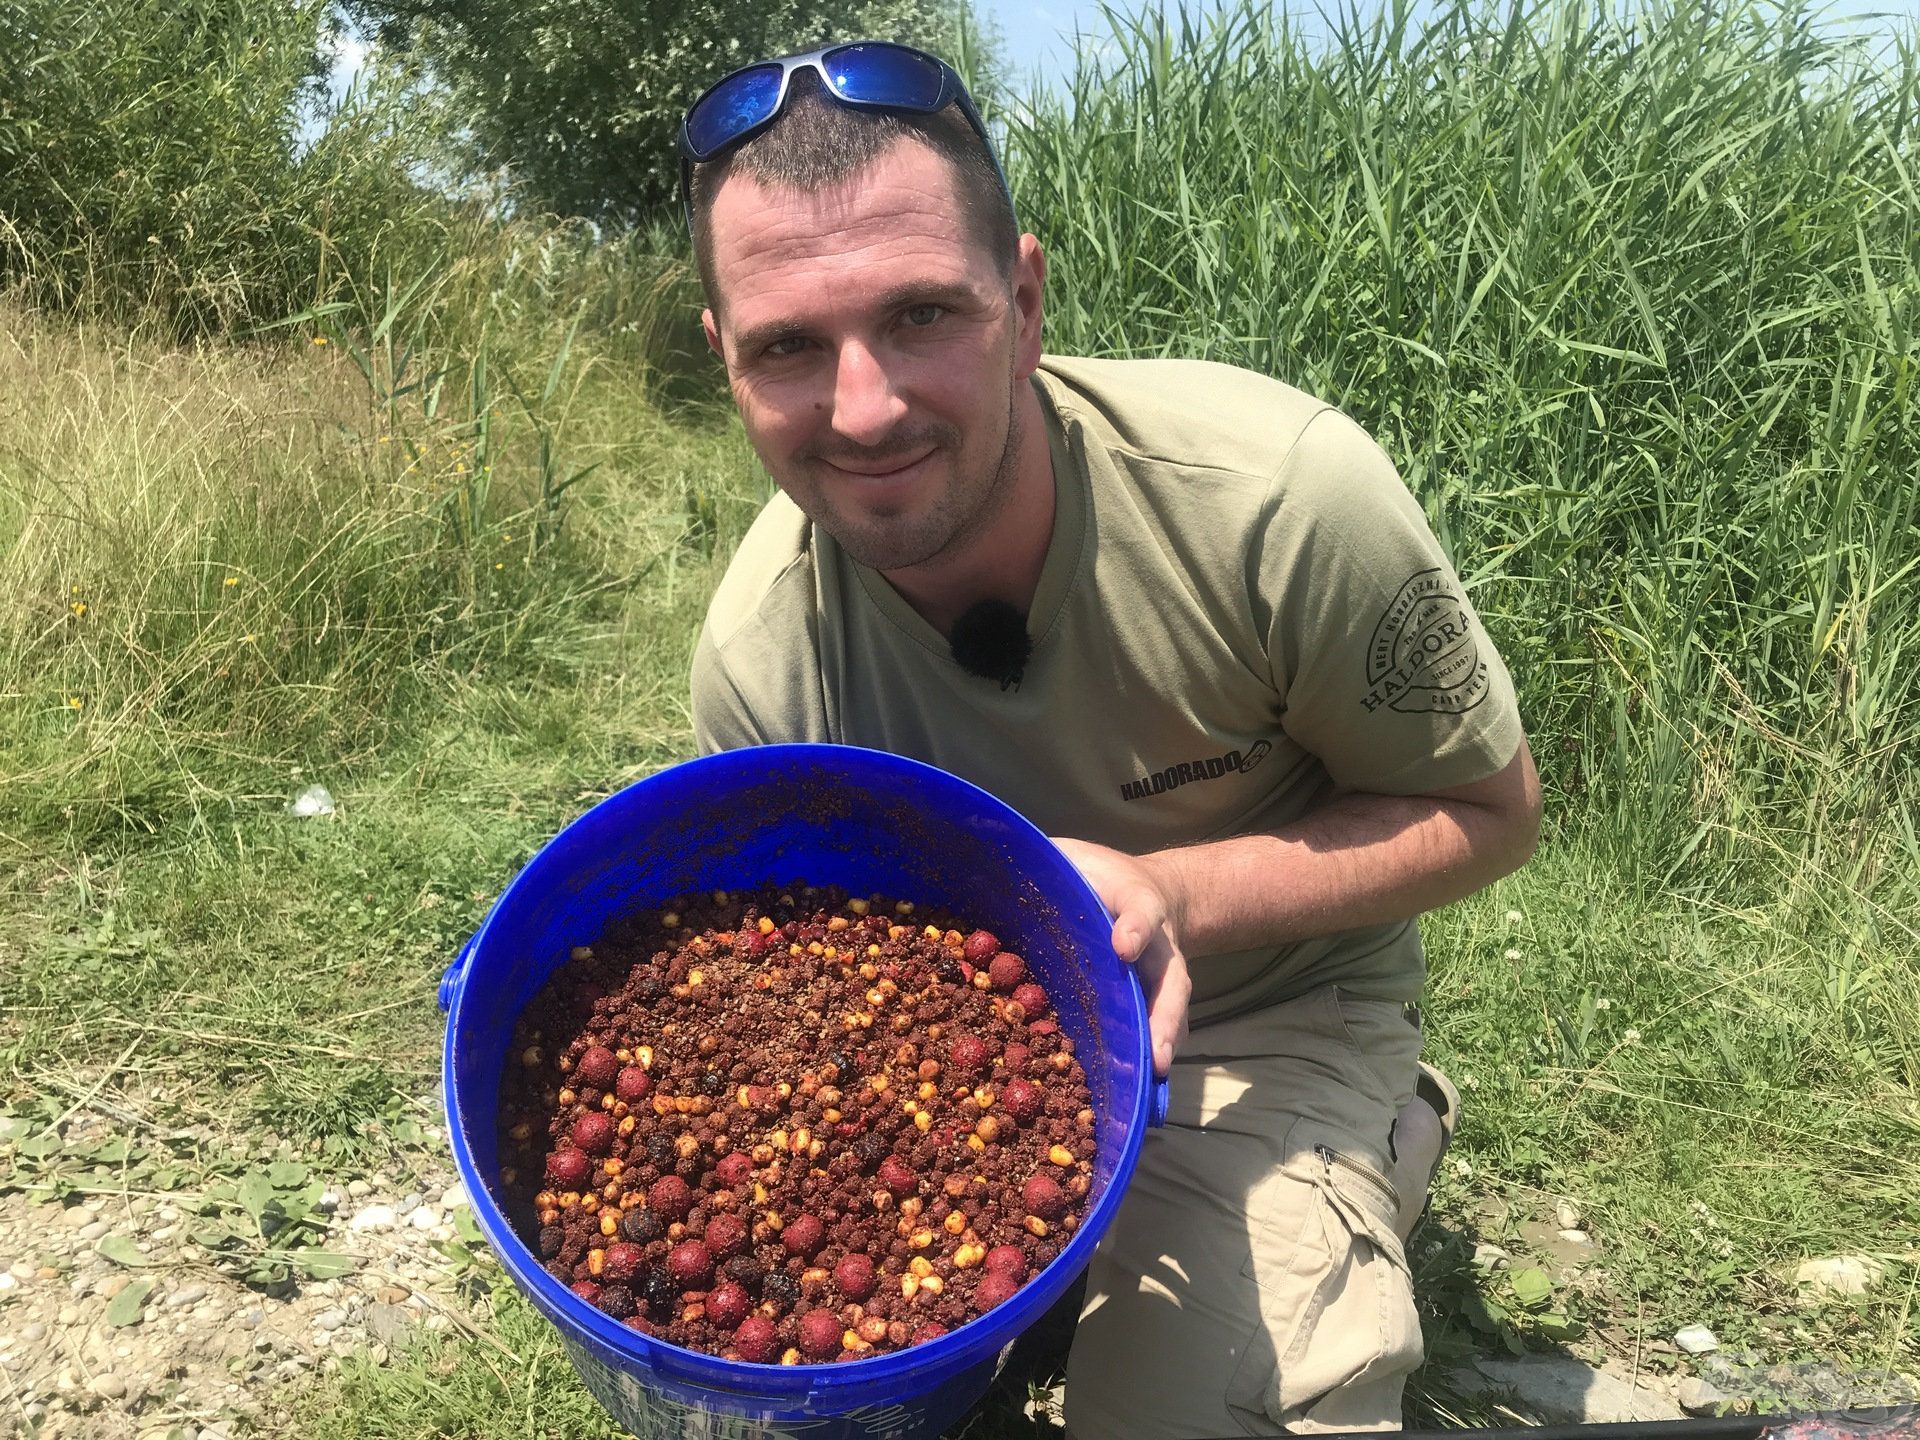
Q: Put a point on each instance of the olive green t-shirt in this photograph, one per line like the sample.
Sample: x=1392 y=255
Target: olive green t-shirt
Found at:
x=1241 y=611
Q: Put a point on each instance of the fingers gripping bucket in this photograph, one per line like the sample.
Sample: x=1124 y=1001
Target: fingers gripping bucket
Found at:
x=821 y=814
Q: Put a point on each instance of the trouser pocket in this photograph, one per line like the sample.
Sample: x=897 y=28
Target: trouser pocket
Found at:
x=1336 y=1297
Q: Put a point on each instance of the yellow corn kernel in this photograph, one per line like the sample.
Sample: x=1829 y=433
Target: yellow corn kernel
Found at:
x=696 y=976
x=609 y=1226
x=968 y=1256
x=766 y=925
x=933 y=1284
x=644 y=1053
x=909 y=1285
x=920 y=1239
x=873 y=951
x=1037 y=1226
x=859 y=907
x=816 y=948
x=923 y=1121
x=596 y=1261
x=567 y=1095
x=790 y=1356
x=1060 y=1155
x=920 y=1266
x=955 y=1222
x=838 y=922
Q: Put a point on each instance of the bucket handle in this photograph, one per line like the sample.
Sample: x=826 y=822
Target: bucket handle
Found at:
x=457 y=972
x=1157 y=1103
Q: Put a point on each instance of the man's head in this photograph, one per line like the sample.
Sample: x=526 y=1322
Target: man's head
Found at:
x=878 y=315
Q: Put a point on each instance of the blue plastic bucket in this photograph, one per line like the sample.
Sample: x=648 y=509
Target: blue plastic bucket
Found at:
x=823 y=815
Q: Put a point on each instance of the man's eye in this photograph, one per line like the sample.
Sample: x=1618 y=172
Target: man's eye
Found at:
x=923 y=315
x=787 y=345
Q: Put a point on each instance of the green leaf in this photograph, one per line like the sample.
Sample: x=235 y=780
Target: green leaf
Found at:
x=1556 y=1326
x=287 y=1174
x=1532 y=1287
x=125 y=1307
x=322 y=1264
x=111 y=1151
x=121 y=1250
x=254 y=1194
x=39 y=1146
x=464 y=1227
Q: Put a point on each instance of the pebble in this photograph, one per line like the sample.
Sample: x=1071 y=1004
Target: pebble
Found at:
x=108 y=1386
x=330 y=1319
x=69 y=1314
x=1576 y=1237
x=1488 y=1256
x=8 y=1280
x=186 y=1295
x=423 y=1217
x=90 y=1233
x=33 y=1332
x=112 y=1286
x=328 y=1202
x=453 y=1197
x=1567 y=1215
x=1696 y=1340
x=1839 y=1275
x=359 y=1189
x=1699 y=1397
x=374 y=1217
x=78 y=1218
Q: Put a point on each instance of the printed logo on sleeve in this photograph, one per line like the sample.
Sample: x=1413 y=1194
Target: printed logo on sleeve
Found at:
x=1423 y=657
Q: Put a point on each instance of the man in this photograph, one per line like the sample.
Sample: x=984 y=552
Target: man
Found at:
x=1184 y=617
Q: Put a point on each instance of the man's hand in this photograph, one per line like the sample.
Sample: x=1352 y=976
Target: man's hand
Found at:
x=1146 y=932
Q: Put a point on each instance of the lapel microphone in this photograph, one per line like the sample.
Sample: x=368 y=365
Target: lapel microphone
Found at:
x=990 y=640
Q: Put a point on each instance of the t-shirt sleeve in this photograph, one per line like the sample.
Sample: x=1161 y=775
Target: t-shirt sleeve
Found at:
x=722 y=719
x=1384 y=669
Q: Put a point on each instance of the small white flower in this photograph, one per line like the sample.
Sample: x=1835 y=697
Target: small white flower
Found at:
x=1632 y=1037
x=1514 y=917
x=1513 y=954
x=1603 y=1003
x=1472 y=1082
x=1463 y=1169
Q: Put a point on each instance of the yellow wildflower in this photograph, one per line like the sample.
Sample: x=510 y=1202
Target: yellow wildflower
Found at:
x=383 y=440
x=231 y=581
x=501 y=566
x=79 y=607
x=249 y=638
x=74 y=702
x=319 y=339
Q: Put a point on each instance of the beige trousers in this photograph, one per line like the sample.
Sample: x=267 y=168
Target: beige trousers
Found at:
x=1252 y=1282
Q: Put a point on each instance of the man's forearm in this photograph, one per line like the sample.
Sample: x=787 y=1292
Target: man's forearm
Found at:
x=1358 y=860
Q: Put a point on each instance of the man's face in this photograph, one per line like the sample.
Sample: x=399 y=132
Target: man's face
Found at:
x=874 y=351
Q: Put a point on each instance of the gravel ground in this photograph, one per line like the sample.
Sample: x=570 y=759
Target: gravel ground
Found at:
x=205 y=1349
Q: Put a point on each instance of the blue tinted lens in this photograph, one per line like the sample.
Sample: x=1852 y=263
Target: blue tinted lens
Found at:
x=733 y=107
x=884 y=75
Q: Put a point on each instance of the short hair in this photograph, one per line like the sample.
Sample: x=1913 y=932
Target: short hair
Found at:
x=816 y=142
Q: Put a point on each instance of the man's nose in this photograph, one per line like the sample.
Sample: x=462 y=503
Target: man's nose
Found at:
x=866 y=407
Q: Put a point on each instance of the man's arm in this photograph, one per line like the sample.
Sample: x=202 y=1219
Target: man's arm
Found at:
x=1358 y=860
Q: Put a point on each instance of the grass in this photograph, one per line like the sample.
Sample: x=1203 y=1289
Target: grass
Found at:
x=1634 y=304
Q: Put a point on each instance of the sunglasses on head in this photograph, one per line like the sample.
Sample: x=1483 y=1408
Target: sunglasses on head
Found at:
x=867 y=75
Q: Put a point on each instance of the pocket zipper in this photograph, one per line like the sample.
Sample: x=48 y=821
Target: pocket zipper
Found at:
x=1331 y=1157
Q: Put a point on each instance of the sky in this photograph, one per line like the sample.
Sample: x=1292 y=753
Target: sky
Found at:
x=1040 y=32
x=1037 y=37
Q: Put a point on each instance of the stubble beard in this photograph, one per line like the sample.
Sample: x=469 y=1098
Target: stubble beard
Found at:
x=943 y=532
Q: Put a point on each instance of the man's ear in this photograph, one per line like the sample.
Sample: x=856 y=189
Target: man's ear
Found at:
x=1029 y=290
x=713 y=334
